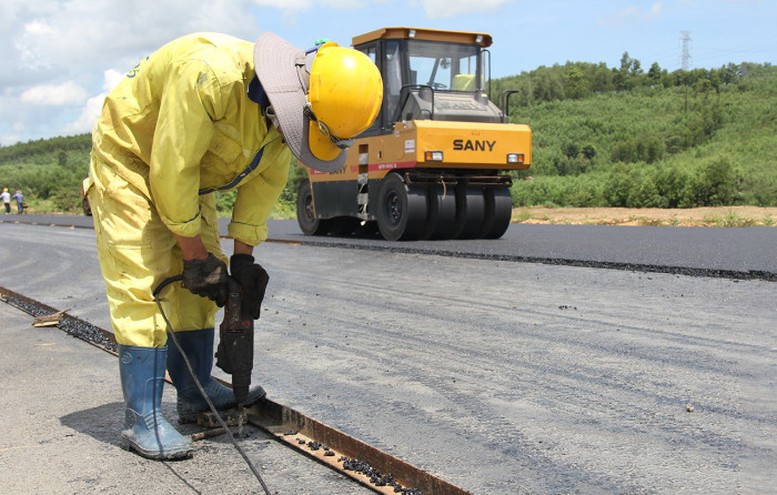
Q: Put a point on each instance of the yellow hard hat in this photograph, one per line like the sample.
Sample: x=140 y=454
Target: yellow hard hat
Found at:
x=345 y=94
x=5 y=189
x=319 y=99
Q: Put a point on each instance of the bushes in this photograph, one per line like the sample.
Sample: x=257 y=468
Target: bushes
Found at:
x=67 y=200
x=716 y=184
x=671 y=185
x=584 y=190
x=648 y=149
x=713 y=183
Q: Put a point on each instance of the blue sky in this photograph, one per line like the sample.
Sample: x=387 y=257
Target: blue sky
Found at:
x=58 y=59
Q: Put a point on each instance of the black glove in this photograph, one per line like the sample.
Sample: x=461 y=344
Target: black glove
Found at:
x=207 y=278
x=253 y=280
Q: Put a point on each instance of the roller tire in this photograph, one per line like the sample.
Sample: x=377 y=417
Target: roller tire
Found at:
x=470 y=212
x=441 y=223
x=306 y=218
x=402 y=210
x=498 y=212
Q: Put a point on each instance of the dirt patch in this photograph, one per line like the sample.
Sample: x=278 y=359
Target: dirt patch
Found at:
x=724 y=216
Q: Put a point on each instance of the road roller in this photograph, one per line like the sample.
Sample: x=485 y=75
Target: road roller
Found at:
x=436 y=162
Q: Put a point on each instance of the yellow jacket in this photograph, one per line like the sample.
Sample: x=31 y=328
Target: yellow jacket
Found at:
x=181 y=123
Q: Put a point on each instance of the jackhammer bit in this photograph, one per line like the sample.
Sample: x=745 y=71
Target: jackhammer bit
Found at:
x=235 y=352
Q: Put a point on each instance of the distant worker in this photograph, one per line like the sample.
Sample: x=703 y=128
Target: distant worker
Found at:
x=19 y=198
x=206 y=112
x=6 y=200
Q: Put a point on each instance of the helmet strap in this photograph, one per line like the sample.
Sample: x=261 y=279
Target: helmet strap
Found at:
x=302 y=73
x=257 y=94
x=270 y=114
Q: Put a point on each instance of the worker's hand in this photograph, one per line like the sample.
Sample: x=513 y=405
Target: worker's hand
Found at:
x=207 y=278
x=253 y=280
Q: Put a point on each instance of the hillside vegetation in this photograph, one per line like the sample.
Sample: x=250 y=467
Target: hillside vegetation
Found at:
x=48 y=171
x=604 y=137
x=628 y=138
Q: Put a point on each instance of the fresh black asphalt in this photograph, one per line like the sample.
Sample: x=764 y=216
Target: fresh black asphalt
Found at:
x=738 y=253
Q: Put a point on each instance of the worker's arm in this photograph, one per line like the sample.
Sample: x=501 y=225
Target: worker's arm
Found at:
x=191 y=101
x=257 y=196
x=192 y=247
x=255 y=200
x=243 y=248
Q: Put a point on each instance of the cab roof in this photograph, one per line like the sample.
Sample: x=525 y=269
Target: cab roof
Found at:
x=482 y=39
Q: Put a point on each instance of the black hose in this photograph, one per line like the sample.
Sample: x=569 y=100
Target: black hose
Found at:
x=164 y=283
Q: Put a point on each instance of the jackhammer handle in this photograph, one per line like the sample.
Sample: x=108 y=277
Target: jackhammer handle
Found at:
x=233 y=307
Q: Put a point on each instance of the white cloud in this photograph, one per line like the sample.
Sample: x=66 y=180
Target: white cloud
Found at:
x=37 y=28
x=435 y=9
x=88 y=116
x=67 y=93
x=301 y=5
x=78 y=33
x=655 y=10
x=346 y=4
x=28 y=43
x=632 y=14
x=45 y=43
x=286 y=4
x=12 y=135
x=111 y=78
x=91 y=110
x=292 y=9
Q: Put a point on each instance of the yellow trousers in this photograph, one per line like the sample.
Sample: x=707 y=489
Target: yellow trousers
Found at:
x=137 y=252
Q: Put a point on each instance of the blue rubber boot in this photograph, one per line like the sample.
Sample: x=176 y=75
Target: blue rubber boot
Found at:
x=198 y=346
x=146 y=431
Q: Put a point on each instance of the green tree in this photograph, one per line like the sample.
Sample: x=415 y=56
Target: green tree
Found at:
x=589 y=152
x=576 y=85
x=717 y=183
x=655 y=75
x=571 y=150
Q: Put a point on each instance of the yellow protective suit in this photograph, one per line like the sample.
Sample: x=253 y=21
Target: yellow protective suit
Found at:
x=180 y=123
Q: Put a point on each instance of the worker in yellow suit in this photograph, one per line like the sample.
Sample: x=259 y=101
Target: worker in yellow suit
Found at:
x=206 y=112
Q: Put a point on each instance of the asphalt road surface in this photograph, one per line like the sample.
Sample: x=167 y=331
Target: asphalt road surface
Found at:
x=745 y=253
x=504 y=376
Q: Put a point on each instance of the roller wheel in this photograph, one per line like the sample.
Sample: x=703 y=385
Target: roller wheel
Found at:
x=306 y=218
x=470 y=206
x=402 y=210
x=441 y=223
x=499 y=210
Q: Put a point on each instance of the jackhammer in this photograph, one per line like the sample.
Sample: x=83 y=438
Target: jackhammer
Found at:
x=235 y=352
x=234 y=355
